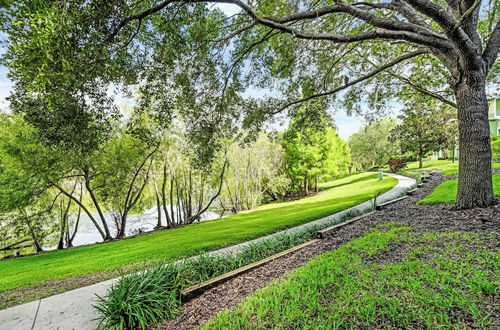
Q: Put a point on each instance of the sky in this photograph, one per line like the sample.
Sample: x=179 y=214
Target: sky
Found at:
x=346 y=125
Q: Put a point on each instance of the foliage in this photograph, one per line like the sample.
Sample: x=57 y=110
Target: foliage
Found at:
x=185 y=241
x=371 y=145
x=153 y=293
x=424 y=128
x=495 y=150
x=65 y=58
x=256 y=173
x=435 y=283
x=446 y=192
x=141 y=298
x=313 y=149
x=396 y=164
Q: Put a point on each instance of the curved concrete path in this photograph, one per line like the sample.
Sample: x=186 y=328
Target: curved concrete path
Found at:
x=73 y=309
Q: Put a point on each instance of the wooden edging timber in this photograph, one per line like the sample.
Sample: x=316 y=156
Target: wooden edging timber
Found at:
x=322 y=233
x=193 y=290
x=379 y=207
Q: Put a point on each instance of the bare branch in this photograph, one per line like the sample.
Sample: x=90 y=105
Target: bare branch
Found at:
x=356 y=81
x=139 y=17
x=235 y=33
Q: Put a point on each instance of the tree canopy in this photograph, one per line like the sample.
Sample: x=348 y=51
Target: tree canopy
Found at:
x=65 y=57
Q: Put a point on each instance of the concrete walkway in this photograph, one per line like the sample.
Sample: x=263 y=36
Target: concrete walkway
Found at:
x=73 y=309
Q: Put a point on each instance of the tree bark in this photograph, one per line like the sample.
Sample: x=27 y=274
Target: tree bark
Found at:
x=158 y=205
x=105 y=227
x=475 y=184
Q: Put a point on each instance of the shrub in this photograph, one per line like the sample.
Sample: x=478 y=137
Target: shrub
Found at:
x=396 y=164
x=495 y=150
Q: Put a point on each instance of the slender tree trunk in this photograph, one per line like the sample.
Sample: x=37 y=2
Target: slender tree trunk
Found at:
x=64 y=223
x=164 y=197
x=38 y=247
x=475 y=186
x=158 y=205
x=89 y=214
x=77 y=222
x=172 y=213
x=99 y=211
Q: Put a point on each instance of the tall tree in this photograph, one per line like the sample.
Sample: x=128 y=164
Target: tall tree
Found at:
x=421 y=130
x=88 y=44
x=371 y=145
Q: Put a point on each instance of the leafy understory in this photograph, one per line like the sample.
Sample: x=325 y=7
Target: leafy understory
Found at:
x=393 y=277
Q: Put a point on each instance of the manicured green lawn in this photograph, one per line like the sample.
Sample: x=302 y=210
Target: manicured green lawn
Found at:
x=390 y=278
x=445 y=166
x=446 y=192
x=190 y=240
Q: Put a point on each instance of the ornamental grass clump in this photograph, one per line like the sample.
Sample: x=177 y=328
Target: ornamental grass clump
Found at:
x=154 y=294
x=141 y=298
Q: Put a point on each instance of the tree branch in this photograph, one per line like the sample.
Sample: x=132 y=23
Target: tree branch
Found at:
x=467 y=13
x=354 y=82
x=390 y=29
x=447 y=22
x=492 y=47
x=423 y=90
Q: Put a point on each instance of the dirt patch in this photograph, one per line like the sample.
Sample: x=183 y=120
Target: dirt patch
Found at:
x=437 y=217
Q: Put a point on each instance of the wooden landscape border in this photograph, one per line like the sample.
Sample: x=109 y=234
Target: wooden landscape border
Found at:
x=197 y=289
x=380 y=206
x=322 y=233
x=194 y=290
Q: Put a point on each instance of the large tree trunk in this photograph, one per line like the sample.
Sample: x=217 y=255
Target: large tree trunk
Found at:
x=475 y=185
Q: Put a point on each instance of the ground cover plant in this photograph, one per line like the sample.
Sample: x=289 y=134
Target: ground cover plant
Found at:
x=392 y=277
x=153 y=294
x=446 y=192
x=177 y=243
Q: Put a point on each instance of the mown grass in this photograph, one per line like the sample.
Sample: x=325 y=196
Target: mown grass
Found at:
x=446 y=192
x=390 y=278
x=446 y=166
x=186 y=241
x=153 y=293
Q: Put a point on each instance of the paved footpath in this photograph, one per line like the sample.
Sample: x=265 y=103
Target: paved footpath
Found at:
x=73 y=309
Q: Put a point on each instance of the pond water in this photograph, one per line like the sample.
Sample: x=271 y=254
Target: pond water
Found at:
x=136 y=223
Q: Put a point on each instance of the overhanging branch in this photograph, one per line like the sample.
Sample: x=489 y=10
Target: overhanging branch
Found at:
x=423 y=90
x=356 y=81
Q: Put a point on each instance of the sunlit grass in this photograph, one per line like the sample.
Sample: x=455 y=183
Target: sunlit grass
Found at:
x=434 y=280
x=446 y=166
x=446 y=192
x=190 y=240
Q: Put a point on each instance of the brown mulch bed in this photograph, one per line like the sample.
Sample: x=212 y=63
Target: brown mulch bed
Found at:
x=438 y=217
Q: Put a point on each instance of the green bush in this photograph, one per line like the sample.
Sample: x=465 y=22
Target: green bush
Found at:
x=495 y=150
